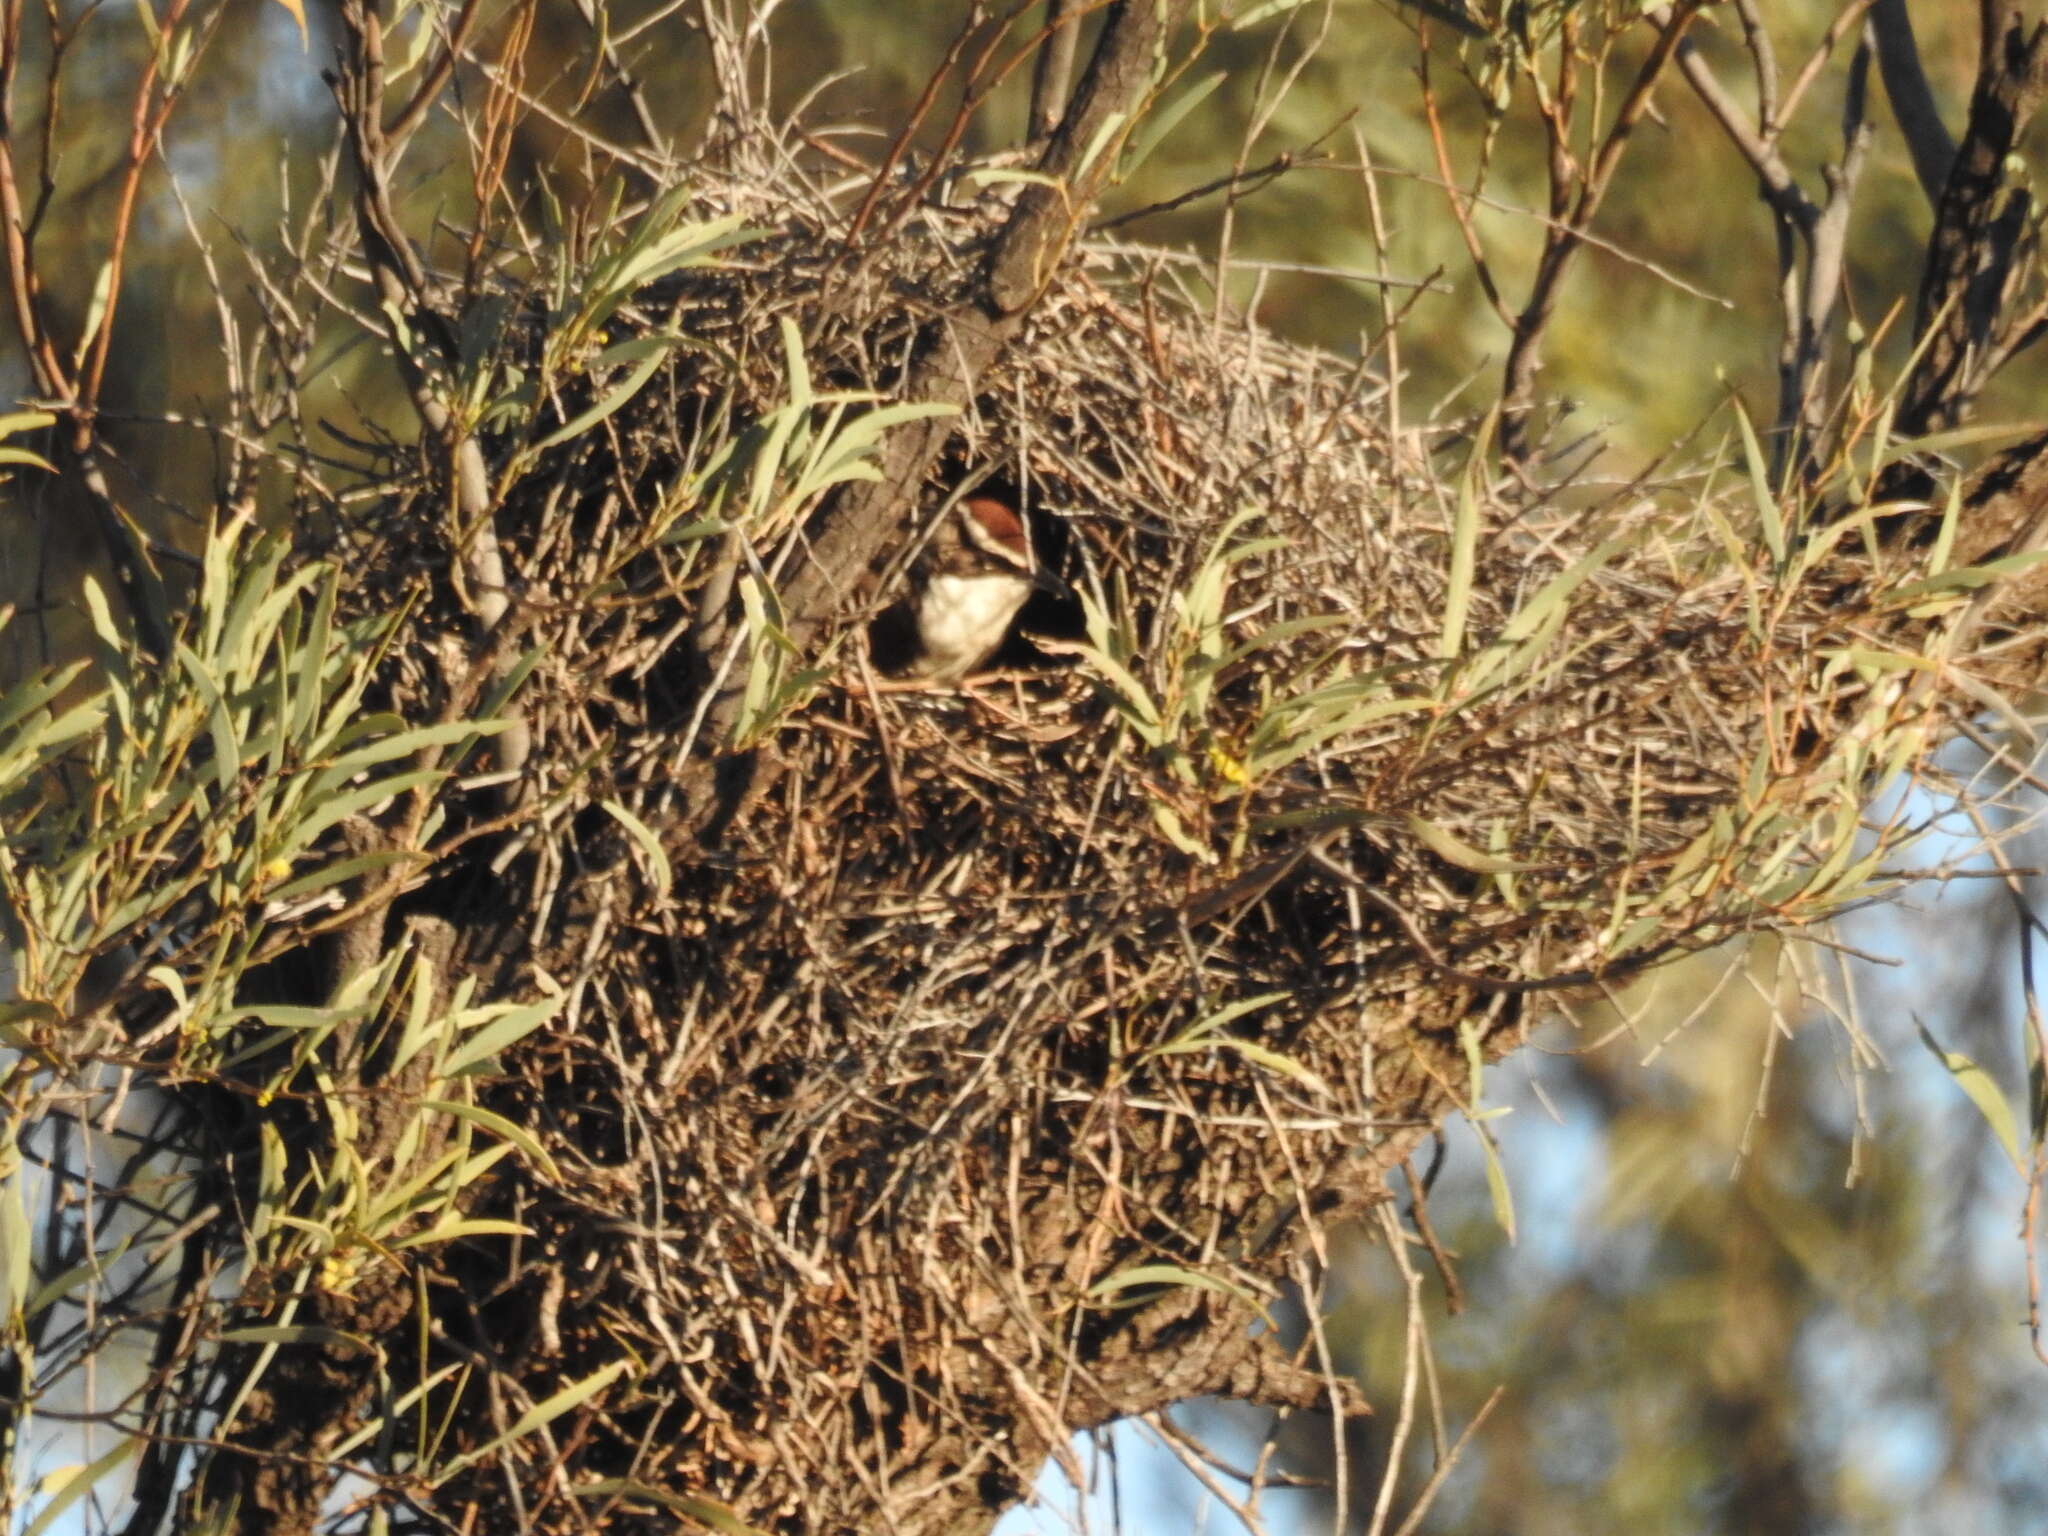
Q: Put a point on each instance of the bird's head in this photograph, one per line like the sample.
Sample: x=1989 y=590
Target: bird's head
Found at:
x=984 y=536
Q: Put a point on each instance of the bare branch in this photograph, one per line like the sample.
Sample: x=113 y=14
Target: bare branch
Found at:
x=1054 y=67
x=1772 y=173
x=1928 y=140
x=1562 y=244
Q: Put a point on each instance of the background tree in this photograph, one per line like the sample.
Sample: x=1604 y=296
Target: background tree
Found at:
x=515 y=1031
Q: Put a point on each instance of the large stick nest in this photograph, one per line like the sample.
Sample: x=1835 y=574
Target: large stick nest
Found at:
x=1158 y=952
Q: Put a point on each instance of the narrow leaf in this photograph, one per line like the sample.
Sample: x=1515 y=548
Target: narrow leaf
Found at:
x=70 y=1484
x=1983 y=1092
x=1454 y=850
x=1497 y=1183
x=542 y=1413
x=498 y=1125
x=664 y=875
x=1768 y=516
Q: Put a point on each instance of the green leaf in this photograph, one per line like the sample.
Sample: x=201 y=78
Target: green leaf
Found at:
x=1274 y=1061
x=664 y=875
x=688 y=246
x=860 y=434
x=405 y=744
x=52 y=1291
x=340 y=807
x=1126 y=694
x=1453 y=850
x=1983 y=1092
x=1195 y=1036
x=509 y=1024
x=1464 y=550
x=1964 y=578
x=1951 y=519
x=313 y=659
x=227 y=747
x=1541 y=608
x=1285 y=629
x=1260 y=12
x=1168 y=1276
x=801 y=392
x=1497 y=1181
x=502 y=691
x=450 y=1231
x=1163 y=120
x=371 y=1428
x=705 y=1512
x=25 y=421
x=1104 y=136
x=100 y=615
x=632 y=386
x=421 y=1024
x=33 y=693
x=17 y=1241
x=1960 y=437
x=498 y=1126
x=256 y=573
x=1768 y=515
x=335 y=873
x=542 y=1413
x=299 y=1333
x=703 y=528
x=95 y=312
x=67 y=1485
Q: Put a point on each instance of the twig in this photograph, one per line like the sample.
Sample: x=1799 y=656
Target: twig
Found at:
x=1518 y=374
x=1418 y=1211
x=1249 y=181
x=1426 y=1495
x=1455 y=195
x=1846 y=20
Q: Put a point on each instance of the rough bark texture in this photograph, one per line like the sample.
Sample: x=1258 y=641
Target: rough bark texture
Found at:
x=1981 y=254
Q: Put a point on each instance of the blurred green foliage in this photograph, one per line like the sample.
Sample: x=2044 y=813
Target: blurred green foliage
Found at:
x=1763 y=1284
x=1644 y=355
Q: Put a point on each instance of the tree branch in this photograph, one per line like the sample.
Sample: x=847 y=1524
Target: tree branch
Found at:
x=1982 y=224
x=1054 y=67
x=1905 y=84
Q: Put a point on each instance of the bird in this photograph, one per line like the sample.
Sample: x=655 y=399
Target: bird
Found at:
x=967 y=584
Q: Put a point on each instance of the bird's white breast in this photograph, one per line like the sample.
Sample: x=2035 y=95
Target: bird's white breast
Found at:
x=960 y=619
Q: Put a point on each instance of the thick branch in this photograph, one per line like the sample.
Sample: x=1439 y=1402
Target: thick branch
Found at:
x=1905 y=83
x=1811 y=316
x=1054 y=67
x=1981 y=228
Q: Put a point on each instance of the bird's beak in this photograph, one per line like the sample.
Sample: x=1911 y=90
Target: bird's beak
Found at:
x=1047 y=582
